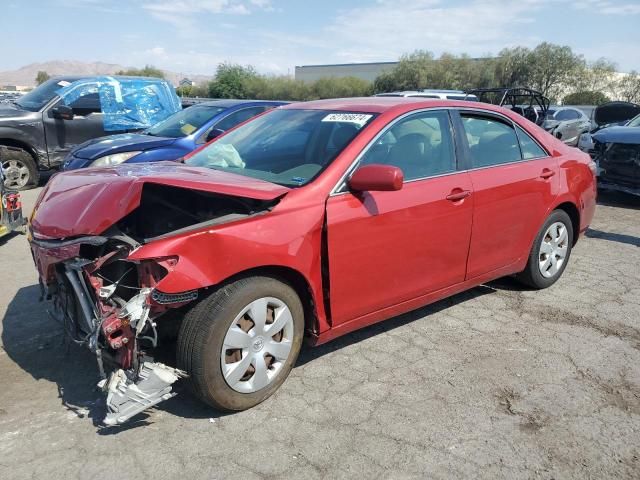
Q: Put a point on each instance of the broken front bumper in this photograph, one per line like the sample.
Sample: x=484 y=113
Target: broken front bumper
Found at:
x=109 y=304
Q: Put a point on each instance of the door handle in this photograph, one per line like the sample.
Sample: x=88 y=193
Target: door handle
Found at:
x=546 y=173
x=458 y=194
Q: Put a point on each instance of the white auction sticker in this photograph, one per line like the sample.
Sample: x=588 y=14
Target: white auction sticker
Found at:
x=358 y=118
x=64 y=83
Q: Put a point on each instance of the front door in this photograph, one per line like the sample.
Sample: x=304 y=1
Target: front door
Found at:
x=63 y=135
x=388 y=247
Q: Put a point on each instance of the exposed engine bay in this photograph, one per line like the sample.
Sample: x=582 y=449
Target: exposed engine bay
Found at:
x=109 y=302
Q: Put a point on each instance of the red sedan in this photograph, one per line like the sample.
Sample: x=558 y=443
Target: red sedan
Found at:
x=312 y=220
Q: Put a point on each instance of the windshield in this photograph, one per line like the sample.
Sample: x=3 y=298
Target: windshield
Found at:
x=634 y=122
x=287 y=147
x=40 y=96
x=185 y=122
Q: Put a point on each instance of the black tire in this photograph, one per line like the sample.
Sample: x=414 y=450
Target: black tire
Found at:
x=12 y=158
x=202 y=333
x=531 y=275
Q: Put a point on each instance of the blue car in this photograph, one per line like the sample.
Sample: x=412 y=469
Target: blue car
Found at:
x=170 y=139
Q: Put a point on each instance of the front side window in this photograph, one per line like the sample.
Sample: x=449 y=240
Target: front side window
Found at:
x=420 y=145
x=86 y=105
x=288 y=147
x=491 y=141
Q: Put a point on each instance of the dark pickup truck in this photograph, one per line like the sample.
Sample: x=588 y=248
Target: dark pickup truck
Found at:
x=38 y=129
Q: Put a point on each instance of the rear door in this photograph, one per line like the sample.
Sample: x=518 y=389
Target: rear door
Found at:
x=514 y=183
x=388 y=247
x=63 y=135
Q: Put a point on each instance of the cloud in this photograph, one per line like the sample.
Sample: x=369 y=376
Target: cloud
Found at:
x=607 y=7
x=388 y=29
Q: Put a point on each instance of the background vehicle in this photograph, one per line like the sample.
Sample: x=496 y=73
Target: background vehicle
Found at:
x=40 y=128
x=566 y=123
x=10 y=208
x=170 y=139
x=430 y=93
x=529 y=103
x=314 y=219
x=616 y=151
x=606 y=115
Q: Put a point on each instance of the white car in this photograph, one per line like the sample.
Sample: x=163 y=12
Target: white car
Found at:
x=427 y=93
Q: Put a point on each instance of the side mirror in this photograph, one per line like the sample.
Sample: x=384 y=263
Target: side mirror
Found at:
x=63 y=112
x=376 y=177
x=214 y=133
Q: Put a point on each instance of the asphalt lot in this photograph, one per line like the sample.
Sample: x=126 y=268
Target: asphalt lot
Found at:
x=498 y=382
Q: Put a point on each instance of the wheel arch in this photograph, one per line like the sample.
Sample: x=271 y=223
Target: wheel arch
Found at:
x=11 y=142
x=291 y=277
x=571 y=209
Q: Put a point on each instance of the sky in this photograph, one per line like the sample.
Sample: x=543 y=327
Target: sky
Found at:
x=194 y=36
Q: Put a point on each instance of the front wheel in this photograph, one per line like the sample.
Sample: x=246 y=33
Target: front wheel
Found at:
x=19 y=169
x=239 y=344
x=550 y=252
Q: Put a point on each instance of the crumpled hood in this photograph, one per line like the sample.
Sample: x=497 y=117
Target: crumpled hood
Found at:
x=89 y=201
x=125 y=142
x=628 y=135
x=615 y=112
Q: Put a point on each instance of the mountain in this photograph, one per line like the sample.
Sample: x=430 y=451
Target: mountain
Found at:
x=27 y=75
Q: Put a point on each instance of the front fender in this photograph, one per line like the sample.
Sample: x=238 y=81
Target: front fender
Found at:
x=281 y=238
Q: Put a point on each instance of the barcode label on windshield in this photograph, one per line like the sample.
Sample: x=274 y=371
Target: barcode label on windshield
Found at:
x=358 y=118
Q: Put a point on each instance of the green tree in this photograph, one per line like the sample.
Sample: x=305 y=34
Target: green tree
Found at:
x=553 y=67
x=42 y=77
x=231 y=81
x=147 y=71
x=627 y=88
x=512 y=67
x=585 y=98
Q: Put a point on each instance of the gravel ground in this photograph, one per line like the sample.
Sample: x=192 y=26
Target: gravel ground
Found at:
x=498 y=382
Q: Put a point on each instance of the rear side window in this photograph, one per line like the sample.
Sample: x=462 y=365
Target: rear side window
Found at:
x=530 y=149
x=491 y=141
x=420 y=145
x=567 y=114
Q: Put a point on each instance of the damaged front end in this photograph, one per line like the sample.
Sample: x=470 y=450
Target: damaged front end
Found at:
x=109 y=304
x=617 y=154
x=87 y=234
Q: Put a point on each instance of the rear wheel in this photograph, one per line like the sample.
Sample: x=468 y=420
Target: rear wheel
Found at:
x=19 y=169
x=550 y=252
x=239 y=344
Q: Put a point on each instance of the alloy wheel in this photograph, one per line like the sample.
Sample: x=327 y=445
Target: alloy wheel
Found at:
x=16 y=174
x=553 y=249
x=257 y=345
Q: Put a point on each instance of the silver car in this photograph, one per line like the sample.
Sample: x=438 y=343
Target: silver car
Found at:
x=567 y=124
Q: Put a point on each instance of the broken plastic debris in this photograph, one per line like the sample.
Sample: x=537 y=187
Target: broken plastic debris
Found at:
x=126 y=398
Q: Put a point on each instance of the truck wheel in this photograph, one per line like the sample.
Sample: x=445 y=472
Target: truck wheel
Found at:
x=550 y=252
x=240 y=343
x=19 y=169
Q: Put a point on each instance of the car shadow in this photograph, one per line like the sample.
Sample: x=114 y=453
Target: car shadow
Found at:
x=613 y=237
x=37 y=344
x=610 y=198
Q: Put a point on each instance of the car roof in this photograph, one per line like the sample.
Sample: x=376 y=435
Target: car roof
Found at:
x=384 y=104
x=230 y=102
